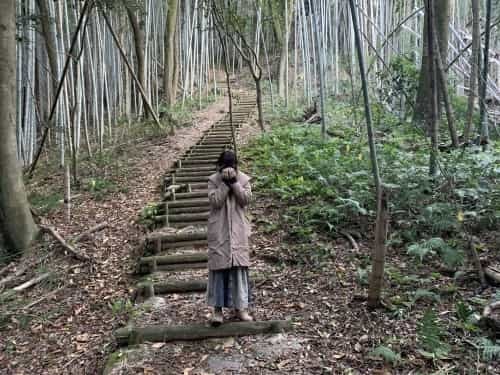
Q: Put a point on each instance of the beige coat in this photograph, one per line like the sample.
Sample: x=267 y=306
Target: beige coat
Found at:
x=228 y=227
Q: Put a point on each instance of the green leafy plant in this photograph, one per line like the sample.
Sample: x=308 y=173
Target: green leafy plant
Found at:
x=467 y=319
x=427 y=248
x=121 y=306
x=490 y=350
x=430 y=336
x=387 y=354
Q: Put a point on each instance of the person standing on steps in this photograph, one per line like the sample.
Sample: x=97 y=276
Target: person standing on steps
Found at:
x=229 y=193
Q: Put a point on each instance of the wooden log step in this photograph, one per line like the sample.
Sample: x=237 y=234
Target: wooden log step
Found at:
x=190 y=207
x=147 y=268
x=186 y=179
x=186 y=203
x=186 y=218
x=208 y=169
x=148 y=289
x=183 y=224
x=175 y=259
x=131 y=335
x=179 y=245
x=207 y=149
x=180 y=267
x=172 y=238
x=196 y=186
x=207 y=155
x=198 y=162
x=193 y=194
x=214 y=142
x=210 y=147
x=180 y=210
x=184 y=173
x=201 y=156
x=217 y=139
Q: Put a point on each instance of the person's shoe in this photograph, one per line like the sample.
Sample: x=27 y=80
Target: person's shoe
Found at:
x=244 y=316
x=217 y=317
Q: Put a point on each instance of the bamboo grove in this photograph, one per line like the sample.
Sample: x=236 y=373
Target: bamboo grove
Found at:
x=70 y=50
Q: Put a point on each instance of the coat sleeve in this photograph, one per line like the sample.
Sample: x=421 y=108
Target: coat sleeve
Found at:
x=217 y=195
x=243 y=194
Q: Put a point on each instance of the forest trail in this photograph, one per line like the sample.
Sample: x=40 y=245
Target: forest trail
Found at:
x=170 y=296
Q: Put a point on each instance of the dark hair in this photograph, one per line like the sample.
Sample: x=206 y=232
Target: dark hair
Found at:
x=227 y=159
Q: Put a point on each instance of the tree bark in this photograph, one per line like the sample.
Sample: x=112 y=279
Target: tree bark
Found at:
x=378 y=253
x=443 y=86
x=441 y=11
x=139 y=44
x=16 y=221
x=483 y=115
x=281 y=27
x=50 y=41
x=169 y=73
x=474 y=72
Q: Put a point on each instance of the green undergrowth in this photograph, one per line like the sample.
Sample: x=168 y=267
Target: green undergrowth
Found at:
x=327 y=186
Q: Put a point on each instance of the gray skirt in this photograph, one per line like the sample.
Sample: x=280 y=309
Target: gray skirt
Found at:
x=229 y=288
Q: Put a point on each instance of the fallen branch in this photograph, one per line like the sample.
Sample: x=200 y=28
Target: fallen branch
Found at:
x=163 y=333
x=351 y=239
x=7 y=280
x=314 y=119
x=32 y=282
x=36 y=302
x=64 y=244
x=492 y=274
x=83 y=235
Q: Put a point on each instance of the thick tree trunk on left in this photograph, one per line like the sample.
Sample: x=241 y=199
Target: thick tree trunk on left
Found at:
x=169 y=74
x=16 y=223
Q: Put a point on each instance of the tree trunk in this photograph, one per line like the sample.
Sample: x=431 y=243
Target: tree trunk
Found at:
x=50 y=41
x=16 y=223
x=378 y=254
x=432 y=115
x=474 y=72
x=441 y=10
x=258 y=88
x=169 y=73
x=443 y=85
x=139 y=44
x=281 y=28
x=483 y=115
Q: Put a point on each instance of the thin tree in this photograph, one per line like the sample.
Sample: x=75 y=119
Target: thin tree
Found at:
x=483 y=115
x=432 y=115
x=474 y=68
x=378 y=254
x=16 y=222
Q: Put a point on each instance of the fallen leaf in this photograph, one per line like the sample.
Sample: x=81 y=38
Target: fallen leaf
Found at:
x=84 y=337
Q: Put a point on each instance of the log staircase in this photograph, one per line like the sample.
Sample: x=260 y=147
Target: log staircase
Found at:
x=179 y=245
